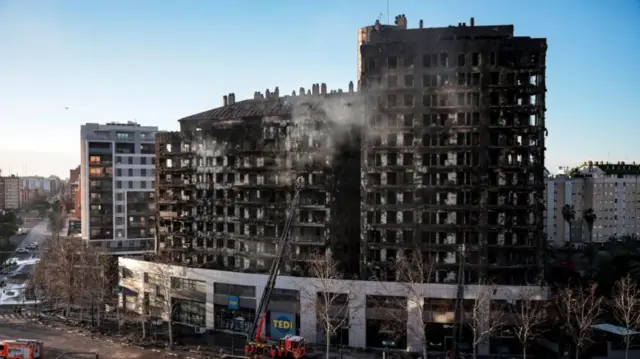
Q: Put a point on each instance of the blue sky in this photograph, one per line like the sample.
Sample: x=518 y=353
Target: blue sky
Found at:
x=158 y=60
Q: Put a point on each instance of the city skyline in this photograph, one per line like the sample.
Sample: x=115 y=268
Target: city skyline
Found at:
x=171 y=55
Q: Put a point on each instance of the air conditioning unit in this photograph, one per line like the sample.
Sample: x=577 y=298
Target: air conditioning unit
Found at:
x=200 y=330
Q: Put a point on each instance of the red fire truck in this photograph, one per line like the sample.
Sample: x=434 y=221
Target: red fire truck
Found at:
x=21 y=349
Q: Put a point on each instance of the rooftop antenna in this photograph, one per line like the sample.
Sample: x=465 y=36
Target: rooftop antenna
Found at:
x=388 y=20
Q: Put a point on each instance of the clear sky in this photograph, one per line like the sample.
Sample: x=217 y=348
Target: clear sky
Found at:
x=156 y=61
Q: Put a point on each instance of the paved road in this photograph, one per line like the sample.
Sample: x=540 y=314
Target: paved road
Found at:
x=19 y=272
x=59 y=341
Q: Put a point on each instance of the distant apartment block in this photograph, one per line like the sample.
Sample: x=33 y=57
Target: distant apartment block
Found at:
x=611 y=190
x=74 y=188
x=10 y=192
x=117 y=180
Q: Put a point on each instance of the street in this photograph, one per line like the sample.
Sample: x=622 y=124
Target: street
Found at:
x=13 y=278
x=58 y=341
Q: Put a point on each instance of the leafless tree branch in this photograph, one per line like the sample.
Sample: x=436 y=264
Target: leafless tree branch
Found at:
x=626 y=307
x=484 y=319
x=413 y=271
x=332 y=300
x=579 y=308
x=529 y=315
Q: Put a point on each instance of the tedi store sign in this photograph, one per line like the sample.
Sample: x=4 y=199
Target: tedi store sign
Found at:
x=282 y=324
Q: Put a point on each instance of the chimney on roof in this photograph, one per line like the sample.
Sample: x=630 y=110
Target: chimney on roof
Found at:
x=472 y=22
x=276 y=92
x=308 y=92
x=293 y=93
x=232 y=99
x=224 y=100
x=314 y=89
x=350 y=86
x=401 y=21
x=323 y=89
x=267 y=94
x=301 y=91
x=421 y=24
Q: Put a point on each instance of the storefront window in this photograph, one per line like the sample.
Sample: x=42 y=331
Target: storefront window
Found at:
x=189 y=312
x=235 y=320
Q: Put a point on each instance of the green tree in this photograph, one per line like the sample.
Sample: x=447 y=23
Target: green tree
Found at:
x=569 y=214
x=589 y=217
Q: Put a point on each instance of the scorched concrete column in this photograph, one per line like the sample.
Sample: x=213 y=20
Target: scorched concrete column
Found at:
x=210 y=316
x=358 y=320
x=415 y=324
x=308 y=318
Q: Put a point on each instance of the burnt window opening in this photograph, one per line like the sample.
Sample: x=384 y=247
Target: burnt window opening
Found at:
x=392 y=159
x=408 y=80
x=407 y=159
x=492 y=58
x=408 y=61
x=392 y=100
x=494 y=78
x=391 y=178
x=392 y=62
x=444 y=60
x=407 y=119
x=476 y=59
x=392 y=81
x=408 y=100
x=392 y=140
x=407 y=197
x=444 y=80
x=461 y=59
x=408 y=139
x=392 y=217
x=391 y=197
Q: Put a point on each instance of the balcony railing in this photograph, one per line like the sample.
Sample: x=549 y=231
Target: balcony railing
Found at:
x=101 y=164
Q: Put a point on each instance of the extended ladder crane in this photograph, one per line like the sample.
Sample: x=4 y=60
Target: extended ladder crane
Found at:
x=289 y=346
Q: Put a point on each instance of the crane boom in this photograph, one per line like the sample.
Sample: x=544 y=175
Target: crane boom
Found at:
x=261 y=310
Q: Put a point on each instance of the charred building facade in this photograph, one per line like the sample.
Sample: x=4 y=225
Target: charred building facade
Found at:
x=225 y=181
x=441 y=151
x=453 y=157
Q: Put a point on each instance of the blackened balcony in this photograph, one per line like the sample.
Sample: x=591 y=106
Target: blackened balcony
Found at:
x=100 y=173
x=104 y=224
x=101 y=213
x=139 y=224
x=97 y=199
x=101 y=234
x=98 y=164
x=140 y=209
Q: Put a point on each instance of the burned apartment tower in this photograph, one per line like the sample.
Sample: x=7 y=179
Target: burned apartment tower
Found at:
x=453 y=161
x=447 y=159
x=225 y=181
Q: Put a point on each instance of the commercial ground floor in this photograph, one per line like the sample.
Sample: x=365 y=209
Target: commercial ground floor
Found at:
x=363 y=313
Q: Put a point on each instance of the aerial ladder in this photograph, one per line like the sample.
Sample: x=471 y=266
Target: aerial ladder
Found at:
x=291 y=346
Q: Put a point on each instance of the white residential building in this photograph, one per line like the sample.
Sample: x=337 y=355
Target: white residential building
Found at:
x=117 y=187
x=222 y=300
x=612 y=190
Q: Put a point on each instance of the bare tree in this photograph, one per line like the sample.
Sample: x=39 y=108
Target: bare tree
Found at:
x=626 y=308
x=331 y=297
x=529 y=314
x=579 y=308
x=412 y=271
x=484 y=320
x=56 y=275
x=160 y=273
x=70 y=275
